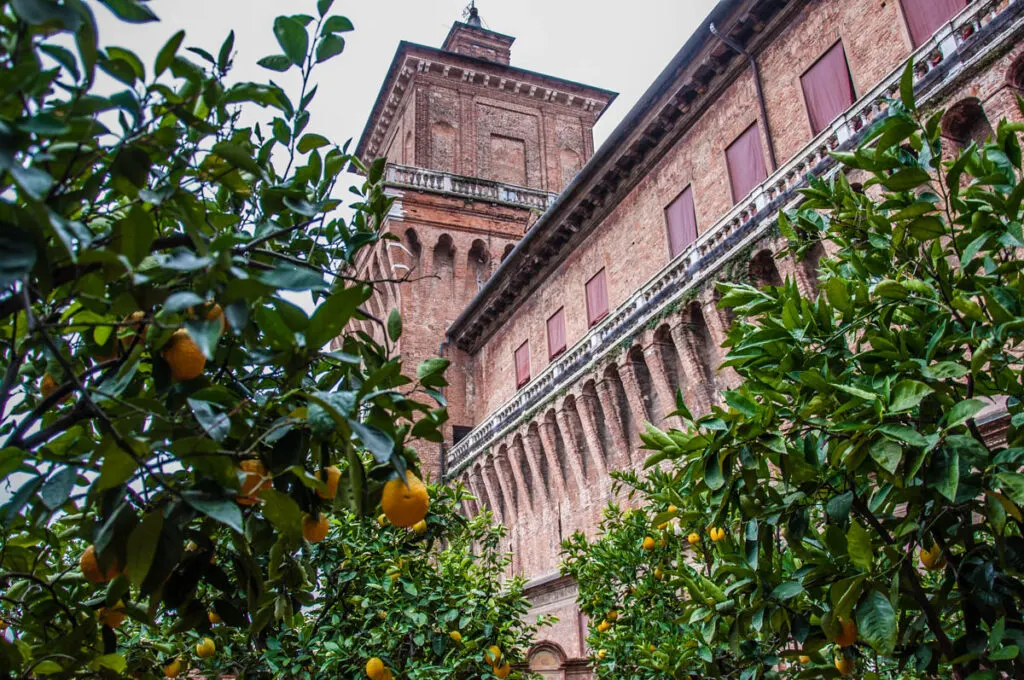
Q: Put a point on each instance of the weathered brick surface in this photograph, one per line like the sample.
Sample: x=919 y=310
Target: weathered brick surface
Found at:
x=548 y=477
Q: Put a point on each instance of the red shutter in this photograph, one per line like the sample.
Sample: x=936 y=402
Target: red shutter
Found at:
x=682 y=222
x=597 y=298
x=745 y=158
x=523 y=364
x=828 y=90
x=924 y=17
x=556 y=333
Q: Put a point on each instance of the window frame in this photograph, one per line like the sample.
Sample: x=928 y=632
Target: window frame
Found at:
x=849 y=74
x=593 y=320
x=523 y=380
x=552 y=353
x=756 y=125
x=668 y=224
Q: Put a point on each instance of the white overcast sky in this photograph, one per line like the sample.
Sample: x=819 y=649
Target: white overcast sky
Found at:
x=620 y=46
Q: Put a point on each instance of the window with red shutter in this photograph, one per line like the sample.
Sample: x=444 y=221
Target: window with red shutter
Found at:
x=745 y=158
x=523 y=364
x=682 y=222
x=828 y=88
x=924 y=17
x=556 y=333
x=597 y=298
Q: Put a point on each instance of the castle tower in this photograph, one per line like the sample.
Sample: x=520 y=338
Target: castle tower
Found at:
x=477 y=150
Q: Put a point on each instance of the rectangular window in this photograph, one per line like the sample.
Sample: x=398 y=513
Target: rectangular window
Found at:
x=828 y=88
x=523 y=364
x=682 y=222
x=597 y=298
x=459 y=433
x=556 y=333
x=924 y=17
x=745 y=158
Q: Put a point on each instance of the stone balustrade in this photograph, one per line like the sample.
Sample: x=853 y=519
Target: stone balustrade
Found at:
x=422 y=179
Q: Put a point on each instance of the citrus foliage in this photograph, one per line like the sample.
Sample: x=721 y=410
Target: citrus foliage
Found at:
x=172 y=432
x=422 y=601
x=867 y=526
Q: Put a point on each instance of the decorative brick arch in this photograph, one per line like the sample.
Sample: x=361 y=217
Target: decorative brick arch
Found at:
x=966 y=122
x=763 y=269
x=548 y=659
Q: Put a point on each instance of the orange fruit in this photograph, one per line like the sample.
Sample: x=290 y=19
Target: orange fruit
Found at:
x=648 y=543
x=603 y=626
x=455 y=635
x=173 y=669
x=255 y=479
x=716 y=534
x=215 y=312
x=90 y=566
x=333 y=477
x=503 y=670
x=848 y=636
x=206 y=648
x=184 y=357
x=375 y=668
x=48 y=386
x=612 y=615
x=314 y=529
x=844 y=666
x=673 y=508
x=112 y=616
x=405 y=503
x=214 y=618
x=932 y=558
x=804 y=659
x=662 y=526
x=693 y=538
x=658 y=573
x=601 y=654
x=382 y=520
x=420 y=527
x=492 y=655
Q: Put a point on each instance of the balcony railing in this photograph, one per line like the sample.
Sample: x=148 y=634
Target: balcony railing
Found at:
x=434 y=181
x=750 y=219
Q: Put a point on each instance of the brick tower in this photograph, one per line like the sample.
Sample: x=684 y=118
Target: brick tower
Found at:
x=477 y=150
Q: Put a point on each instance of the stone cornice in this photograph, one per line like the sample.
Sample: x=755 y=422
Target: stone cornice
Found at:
x=412 y=59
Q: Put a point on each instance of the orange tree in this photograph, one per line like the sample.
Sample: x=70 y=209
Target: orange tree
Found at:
x=171 y=431
x=848 y=515
x=421 y=600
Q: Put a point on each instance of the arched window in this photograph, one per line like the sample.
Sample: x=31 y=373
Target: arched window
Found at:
x=966 y=122
x=508 y=251
x=479 y=263
x=444 y=259
x=763 y=270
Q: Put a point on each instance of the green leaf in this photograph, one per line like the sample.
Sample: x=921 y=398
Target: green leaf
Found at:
x=57 y=489
x=217 y=425
x=876 y=622
x=165 y=57
x=907 y=87
x=224 y=510
x=224 y=56
x=132 y=11
x=283 y=512
x=395 y=325
x=324 y=6
x=276 y=62
x=906 y=179
x=293 y=278
x=142 y=547
x=1012 y=484
x=133 y=236
x=858 y=546
x=117 y=468
x=329 y=46
x=310 y=142
x=944 y=474
x=904 y=434
x=112 y=662
x=908 y=394
x=337 y=24
x=787 y=590
x=333 y=314
x=927 y=228
x=432 y=366
x=33 y=181
x=17 y=256
x=292 y=38
x=237 y=156
x=963 y=411
x=182 y=300
x=376 y=441
x=887 y=454
x=37 y=12
x=891 y=290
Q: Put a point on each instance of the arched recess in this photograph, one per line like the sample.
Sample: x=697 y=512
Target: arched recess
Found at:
x=666 y=348
x=620 y=404
x=547 y=659
x=508 y=251
x=444 y=262
x=602 y=413
x=763 y=270
x=572 y=419
x=442 y=147
x=1015 y=76
x=519 y=458
x=479 y=265
x=505 y=478
x=409 y=153
x=558 y=441
x=652 y=402
x=533 y=434
x=414 y=249
x=811 y=265
x=703 y=355
x=966 y=122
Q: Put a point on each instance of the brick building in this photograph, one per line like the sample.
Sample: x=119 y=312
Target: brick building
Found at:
x=573 y=289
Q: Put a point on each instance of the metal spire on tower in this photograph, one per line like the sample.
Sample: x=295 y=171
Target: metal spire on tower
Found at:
x=472 y=15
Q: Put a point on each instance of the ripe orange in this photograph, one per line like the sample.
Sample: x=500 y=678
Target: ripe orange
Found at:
x=184 y=357
x=932 y=558
x=206 y=648
x=603 y=626
x=455 y=635
x=314 y=529
x=849 y=635
x=716 y=534
x=112 y=616
x=503 y=670
x=658 y=573
x=48 y=386
x=214 y=618
x=648 y=543
x=693 y=538
x=601 y=654
x=375 y=668
x=804 y=659
x=844 y=666
x=612 y=615
x=492 y=655
x=333 y=477
x=173 y=669
x=673 y=508
x=405 y=503
x=420 y=527
x=662 y=526
x=254 y=480
x=90 y=566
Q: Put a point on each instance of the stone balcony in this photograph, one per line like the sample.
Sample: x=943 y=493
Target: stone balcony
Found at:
x=434 y=181
x=623 y=361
